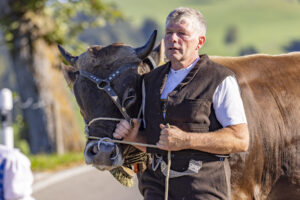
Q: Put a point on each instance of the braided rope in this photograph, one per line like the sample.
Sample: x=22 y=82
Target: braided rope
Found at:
x=103 y=118
x=168 y=172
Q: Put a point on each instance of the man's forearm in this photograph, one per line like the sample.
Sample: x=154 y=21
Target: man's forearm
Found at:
x=227 y=140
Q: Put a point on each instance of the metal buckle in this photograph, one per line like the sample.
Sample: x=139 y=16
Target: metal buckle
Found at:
x=103 y=84
x=194 y=167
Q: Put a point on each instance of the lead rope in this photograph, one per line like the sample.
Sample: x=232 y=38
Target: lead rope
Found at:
x=136 y=143
x=144 y=145
x=168 y=173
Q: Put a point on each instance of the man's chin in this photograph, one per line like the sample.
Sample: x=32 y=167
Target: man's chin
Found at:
x=173 y=57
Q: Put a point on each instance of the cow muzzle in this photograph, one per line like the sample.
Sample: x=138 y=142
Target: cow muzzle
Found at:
x=103 y=155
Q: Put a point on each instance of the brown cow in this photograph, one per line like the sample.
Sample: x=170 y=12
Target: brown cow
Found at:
x=116 y=95
x=270 y=87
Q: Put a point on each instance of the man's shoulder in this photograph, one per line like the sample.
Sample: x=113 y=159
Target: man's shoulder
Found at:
x=217 y=67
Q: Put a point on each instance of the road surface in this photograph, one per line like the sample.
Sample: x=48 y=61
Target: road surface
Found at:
x=82 y=183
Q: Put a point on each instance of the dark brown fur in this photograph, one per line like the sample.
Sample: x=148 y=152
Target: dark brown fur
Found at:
x=94 y=102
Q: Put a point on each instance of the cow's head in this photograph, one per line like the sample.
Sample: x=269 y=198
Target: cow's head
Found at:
x=93 y=74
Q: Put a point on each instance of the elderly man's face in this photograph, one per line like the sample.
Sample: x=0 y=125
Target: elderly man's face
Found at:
x=182 y=42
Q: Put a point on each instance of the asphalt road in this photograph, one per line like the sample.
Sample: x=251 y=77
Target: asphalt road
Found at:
x=82 y=183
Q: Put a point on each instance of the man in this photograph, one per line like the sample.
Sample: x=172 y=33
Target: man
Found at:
x=15 y=175
x=201 y=103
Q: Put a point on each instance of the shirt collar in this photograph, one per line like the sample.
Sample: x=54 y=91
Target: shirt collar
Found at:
x=172 y=71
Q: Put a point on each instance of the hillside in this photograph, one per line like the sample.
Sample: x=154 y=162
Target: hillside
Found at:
x=268 y=26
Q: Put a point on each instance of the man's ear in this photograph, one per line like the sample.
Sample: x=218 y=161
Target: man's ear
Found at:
x=70 y=74
x=201 y=41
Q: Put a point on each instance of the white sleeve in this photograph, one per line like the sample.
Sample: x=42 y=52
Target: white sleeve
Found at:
x=227 y=103
x=18 y=177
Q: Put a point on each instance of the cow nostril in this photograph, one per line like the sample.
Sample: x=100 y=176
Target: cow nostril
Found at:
x=113 y=154
x=94 y=150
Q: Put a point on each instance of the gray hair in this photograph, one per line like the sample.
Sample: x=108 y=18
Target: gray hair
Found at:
x=195 y=16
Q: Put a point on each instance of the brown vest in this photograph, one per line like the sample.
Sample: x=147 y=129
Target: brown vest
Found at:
x=189 y=105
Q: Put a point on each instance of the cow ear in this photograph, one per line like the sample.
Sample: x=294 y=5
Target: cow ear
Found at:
x=70 y=74
x=160 y=51
x=69 y=58
x=157 y=56
x=143 y=52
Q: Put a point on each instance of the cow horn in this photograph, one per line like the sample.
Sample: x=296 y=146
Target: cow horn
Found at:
x=69 y=58
x=142 y=52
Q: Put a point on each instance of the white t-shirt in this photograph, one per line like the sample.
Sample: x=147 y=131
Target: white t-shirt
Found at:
x=16 y=177
x=227 y=101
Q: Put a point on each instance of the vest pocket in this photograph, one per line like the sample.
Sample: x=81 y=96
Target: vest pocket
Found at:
x=190 y=111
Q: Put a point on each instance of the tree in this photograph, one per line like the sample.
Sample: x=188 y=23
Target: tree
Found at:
x=231 y=35
x=248 y=50
x=32 y=29
x=293 y=46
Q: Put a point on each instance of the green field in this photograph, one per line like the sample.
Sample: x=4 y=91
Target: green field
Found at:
x=55 y=162
x=268 y=25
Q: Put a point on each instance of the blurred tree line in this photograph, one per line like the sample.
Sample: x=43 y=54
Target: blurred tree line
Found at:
x=32 y=29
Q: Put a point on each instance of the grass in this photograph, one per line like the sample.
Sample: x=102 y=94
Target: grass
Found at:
x=268 y=25
x=55 y=162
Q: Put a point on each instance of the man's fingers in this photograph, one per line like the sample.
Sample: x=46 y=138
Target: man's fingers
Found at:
x=124 y=124
x=163 y=137
x=122 y=129
x=163 y=129
x=162 y=146
x=161 y=143
x=117 y=136
x=162 y=126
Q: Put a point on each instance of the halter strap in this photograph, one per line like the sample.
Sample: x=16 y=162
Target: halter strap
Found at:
x=105 y=84
x=150 y=61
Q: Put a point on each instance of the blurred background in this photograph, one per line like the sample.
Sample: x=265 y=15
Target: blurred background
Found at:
x=47 y=125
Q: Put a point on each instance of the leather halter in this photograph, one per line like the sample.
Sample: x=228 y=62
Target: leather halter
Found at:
x=105 y=85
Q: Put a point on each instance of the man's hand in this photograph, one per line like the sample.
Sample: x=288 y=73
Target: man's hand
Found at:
x=172 y=138
x=231 y=139
x=127 y=132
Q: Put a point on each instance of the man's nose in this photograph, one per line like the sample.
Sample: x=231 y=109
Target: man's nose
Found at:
x=173 y=37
